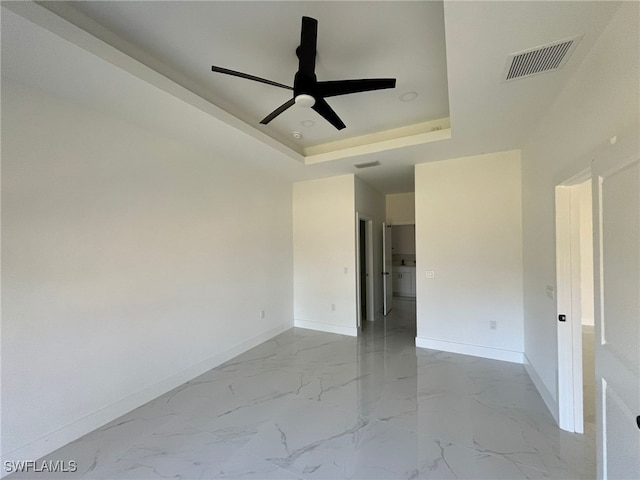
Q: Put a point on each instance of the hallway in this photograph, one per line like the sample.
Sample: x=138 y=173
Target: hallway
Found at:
x=308 y=404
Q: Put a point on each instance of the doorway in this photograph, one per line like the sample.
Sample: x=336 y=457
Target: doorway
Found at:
x=364 y=260
x=363 y=273
x=404 y=260
x=575 y=305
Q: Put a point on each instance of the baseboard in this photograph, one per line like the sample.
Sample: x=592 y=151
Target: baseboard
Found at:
x=326 y=327
x=54 y=440
x=473 y=350
x=544 y=392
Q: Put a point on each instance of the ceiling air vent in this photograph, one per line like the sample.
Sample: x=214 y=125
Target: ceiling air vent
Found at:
x=367 y=164
x=546 y=58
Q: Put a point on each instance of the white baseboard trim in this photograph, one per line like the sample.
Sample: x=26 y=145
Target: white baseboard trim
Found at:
x=54 y=440
x=544 y=392
x=473 y=350
x=326 y=327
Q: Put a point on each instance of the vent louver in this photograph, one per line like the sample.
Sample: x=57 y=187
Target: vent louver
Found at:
x=367 y=164
x=537 y=60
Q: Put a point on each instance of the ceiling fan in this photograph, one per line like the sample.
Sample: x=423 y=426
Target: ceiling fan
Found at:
x=307 y=90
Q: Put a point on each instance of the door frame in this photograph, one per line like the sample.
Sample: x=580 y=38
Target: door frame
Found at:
x=387 y=273
x=568 y=303
x=368 y=267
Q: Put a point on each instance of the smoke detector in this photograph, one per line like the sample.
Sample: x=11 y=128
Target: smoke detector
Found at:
x=543 y=59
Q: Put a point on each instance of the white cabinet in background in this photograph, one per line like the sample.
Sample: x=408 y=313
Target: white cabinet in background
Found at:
x=404 y=281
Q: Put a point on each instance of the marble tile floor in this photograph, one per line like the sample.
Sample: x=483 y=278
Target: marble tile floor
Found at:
x=307 y=405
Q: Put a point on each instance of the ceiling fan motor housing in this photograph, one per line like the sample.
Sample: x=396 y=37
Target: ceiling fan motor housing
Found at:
x=304 y=84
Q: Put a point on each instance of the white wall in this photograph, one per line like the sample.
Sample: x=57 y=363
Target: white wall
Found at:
x=371 y=204
x=401 y=208
x=469 y=232
x=599 y=101
x=324 y=254
x=403 y=239
x=130 y=264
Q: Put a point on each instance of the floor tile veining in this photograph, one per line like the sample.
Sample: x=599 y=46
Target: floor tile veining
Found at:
x=311 y=405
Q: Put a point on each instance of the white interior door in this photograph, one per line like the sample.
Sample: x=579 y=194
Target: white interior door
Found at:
x=616 y=190
x=387 y=273
x=570 y=388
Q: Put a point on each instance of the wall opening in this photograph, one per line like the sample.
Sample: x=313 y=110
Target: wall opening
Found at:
x=575 y=306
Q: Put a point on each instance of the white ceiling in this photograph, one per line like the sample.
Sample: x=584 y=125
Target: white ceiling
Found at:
x=403 y=40
x=406 y=40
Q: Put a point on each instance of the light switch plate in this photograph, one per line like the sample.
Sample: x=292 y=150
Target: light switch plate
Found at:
x=551 y=292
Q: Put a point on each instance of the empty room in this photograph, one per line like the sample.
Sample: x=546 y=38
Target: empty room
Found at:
x=320 y=239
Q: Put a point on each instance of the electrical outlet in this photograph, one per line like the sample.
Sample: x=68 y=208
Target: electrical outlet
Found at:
x=493 y=325
x=333 y=307
x=262 y=315
x=431 y=274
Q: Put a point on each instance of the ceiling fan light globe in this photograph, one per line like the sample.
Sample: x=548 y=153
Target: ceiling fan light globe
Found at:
x=305 y=100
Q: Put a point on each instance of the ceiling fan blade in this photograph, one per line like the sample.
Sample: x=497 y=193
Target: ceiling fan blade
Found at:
x=226 y=71
x=323 y=108
x=307 y=50
x=277 y=111
x=344 y=87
